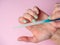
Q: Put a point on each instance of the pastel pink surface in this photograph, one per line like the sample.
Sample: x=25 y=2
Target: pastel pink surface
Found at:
x=11 y=10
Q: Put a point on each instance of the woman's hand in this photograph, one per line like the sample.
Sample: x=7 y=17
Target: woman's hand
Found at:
x=56 y=14
x=41 y=31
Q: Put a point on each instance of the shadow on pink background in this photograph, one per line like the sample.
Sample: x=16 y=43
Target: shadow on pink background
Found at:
x=10 y=10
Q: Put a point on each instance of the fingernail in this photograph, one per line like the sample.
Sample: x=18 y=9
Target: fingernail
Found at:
x=35 y=8
x=33 y=20
x=49 y=17
x=24 y=21
x=35 y=16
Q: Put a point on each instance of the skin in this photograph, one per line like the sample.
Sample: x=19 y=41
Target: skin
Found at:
x=41 y=31
x=56 y=37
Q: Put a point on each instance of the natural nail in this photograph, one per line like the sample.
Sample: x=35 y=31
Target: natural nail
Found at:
x=24 y=21
x=33 y=20
x=35 y=16
x=49 y=17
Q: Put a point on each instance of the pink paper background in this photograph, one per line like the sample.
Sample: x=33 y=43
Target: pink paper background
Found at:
x=10 y=10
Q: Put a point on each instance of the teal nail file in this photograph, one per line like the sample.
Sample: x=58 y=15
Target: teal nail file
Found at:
x=37 y=22
x=34 y=23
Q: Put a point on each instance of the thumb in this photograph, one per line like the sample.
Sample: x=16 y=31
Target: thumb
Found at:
x=56 y=12
x=27 y=39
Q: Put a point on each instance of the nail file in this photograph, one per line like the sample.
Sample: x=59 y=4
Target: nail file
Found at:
x=37 y=22
x=34 y=23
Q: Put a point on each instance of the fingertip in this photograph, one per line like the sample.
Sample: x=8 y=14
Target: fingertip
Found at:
x=22 y=20
x=21 y=39
x=36 y=9
x=57 y=7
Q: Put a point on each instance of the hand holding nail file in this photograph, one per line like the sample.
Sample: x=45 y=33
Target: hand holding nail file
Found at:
x=38 y=22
